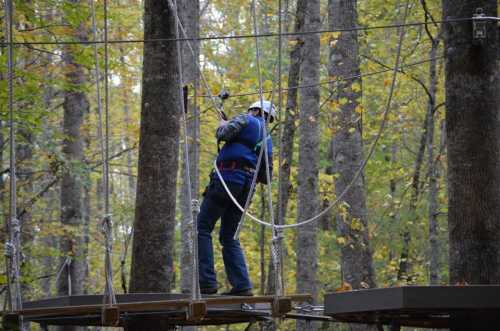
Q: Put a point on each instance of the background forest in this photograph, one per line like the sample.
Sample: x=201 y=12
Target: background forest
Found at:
x=402 y=225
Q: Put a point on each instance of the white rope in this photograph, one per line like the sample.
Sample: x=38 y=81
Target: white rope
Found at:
x=360 y=169
x=194 y=206
x=263 y=151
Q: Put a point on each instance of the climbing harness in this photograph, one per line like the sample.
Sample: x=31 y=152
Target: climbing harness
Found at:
x=360 y=169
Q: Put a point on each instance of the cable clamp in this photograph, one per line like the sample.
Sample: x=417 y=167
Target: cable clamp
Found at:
x=479 y=25
x=195 y=204
x=278 y=234
x=106 y=226
x=16 y=225
x=9 y=249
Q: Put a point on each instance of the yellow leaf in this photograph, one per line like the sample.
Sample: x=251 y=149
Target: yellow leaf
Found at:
x=344 y=288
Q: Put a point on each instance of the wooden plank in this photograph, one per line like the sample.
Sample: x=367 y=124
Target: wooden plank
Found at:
x=144 y=306
x=110 y=316
x=256 y=299
x=90 y=309
x=309 y=317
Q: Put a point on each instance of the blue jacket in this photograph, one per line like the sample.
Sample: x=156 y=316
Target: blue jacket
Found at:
x=243 y=135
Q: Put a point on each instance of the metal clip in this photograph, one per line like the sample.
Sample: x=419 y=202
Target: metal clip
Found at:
x=479 y=25
x=278 y=234
x=195 y=204
x=9 y=249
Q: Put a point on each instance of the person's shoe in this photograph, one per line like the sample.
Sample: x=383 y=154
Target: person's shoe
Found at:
x=208 y=290
x=239 y=293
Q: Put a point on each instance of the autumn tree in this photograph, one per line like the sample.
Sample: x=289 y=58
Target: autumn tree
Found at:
x=308 y=202
x=76 y=106
x=352 y=219
x=472 y=129
x=153 y=246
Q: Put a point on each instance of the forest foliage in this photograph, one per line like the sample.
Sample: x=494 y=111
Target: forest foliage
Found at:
x=228 y=64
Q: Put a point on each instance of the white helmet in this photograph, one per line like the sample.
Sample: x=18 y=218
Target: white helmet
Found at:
x=267 y=106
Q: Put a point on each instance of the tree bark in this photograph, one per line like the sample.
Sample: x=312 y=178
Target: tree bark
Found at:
x=357 y=262
x=75 y=106
x=308 y=190
x=352 y=224
x=472 y=100
x=153 y=246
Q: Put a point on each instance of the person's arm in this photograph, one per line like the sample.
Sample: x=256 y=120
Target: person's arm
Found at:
x=231 y=129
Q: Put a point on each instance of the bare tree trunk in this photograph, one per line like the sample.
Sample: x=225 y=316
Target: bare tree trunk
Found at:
x=76 y=105
x=154 y=225
x=308 y=202
x=472 y=100
x=189 y=12
x=352 y=225
x=404 y=260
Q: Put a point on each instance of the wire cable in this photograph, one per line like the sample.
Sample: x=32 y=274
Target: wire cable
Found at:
x=13 y=246
x=247 y=36
x=195 y=285
x=365 y=161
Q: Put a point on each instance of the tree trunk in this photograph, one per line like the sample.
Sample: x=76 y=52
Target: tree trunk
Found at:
x=189 y=13
x=472 y=101
x=154 y=225
x=289 y=128
x=352 y=225
x=75 y=105
x=308 y=202
x=404 y=259
x=433 y=173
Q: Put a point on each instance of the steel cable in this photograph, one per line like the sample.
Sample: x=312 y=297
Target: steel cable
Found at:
x=365 y=161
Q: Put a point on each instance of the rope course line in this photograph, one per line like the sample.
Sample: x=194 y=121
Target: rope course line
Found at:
x=363 y=164
x=247 y=36
x=193 y=208
x=13 y=245
x=264 y=138
x=217 y=106
x=109 y=297
x=277 y=243
x=328 y=82
x=275 y=260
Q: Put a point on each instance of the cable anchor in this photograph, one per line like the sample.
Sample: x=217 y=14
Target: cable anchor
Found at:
x=9 y=249
x=479 y=26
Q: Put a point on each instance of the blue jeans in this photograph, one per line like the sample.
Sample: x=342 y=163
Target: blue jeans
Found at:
x=217 y=204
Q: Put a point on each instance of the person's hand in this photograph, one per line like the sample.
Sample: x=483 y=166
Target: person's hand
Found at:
x=222 y=122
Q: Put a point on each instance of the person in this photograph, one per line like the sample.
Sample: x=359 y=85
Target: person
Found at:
x=236 y=161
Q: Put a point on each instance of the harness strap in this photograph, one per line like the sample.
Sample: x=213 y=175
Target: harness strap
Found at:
x=235 y=165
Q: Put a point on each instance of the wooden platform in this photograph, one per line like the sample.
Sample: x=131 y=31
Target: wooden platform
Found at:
x=468 y=307
x=174 y=309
